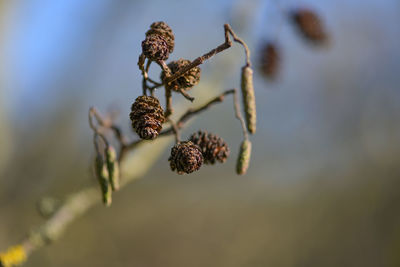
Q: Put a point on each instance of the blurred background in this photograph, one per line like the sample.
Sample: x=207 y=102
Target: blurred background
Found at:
x=323 y=187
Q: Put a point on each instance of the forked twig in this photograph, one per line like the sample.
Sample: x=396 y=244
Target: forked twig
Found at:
x=227 y=44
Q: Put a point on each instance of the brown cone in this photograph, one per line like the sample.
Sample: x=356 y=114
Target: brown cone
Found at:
x=187 y=80
x=213 y=147
x=309 y=25
x=185 y=157
x=155 y=47
x=147 y=117
x=270 y=60
x=162 y=28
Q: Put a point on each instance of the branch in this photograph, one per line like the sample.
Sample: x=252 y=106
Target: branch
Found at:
x=133 y=167
x=77 y=204
x=183 y=119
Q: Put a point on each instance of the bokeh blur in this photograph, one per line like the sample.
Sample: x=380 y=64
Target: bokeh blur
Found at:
x=323 y=186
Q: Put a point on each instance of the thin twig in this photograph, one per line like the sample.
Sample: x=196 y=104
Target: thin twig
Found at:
x=228 y=28
x=176 y=131
x=238 y=114
x=192 y=112
x=227 y=44
x=168 y=102
x=94 y=113
x=199 y=60
x=165 y=68
x=186 y=95
x=145 y=76
x=184 y=118
x=97 y=133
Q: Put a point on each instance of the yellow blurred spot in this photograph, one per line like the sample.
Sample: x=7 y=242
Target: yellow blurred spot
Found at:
x=13 y=256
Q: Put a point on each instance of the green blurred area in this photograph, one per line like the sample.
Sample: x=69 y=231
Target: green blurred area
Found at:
x=322 y=190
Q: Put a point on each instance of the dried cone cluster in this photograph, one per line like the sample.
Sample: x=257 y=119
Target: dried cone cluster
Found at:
x=270 y=59
x=212 y=147
x=159 y=42
x=187 y=80
x=147 y=117
x=309 y=25
x=186 y=157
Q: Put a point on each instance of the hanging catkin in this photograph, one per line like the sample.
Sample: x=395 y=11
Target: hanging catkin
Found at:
x=243 y=160
x=102 y=177
x=249 y=100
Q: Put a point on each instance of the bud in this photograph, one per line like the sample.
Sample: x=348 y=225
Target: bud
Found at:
x=249 y=100
x=112 y=167
x=243 y=160
x=102 y=177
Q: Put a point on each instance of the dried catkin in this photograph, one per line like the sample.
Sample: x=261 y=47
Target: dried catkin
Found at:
x=102 y=177
x=249 y=100
x=112 y=167
x=243 y=160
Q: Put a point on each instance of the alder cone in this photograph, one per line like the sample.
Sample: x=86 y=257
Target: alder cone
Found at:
x=162 y=28
x=186 y=157
x=212 y=147
x=309 y=25
x=147 y=117
x=269 y=60
x=155 y=47
x=185 y=81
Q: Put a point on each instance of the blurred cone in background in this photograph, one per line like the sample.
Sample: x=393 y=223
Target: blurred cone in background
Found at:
x=309 y=25
x=269 y=60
